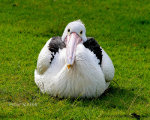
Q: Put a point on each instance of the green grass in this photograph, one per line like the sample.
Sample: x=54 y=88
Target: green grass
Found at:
x=122 y=28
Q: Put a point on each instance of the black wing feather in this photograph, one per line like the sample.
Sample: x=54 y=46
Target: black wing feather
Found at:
x=56 y=44
x=93 y=45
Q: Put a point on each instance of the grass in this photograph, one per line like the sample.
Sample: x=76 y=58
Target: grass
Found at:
x=122 y=28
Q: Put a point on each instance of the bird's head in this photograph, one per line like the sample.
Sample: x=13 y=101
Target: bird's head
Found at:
x=74 y=34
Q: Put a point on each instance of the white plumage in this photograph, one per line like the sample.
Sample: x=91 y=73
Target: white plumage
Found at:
x=86 y=78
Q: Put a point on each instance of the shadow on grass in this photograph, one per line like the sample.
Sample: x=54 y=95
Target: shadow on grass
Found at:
x=114 y=97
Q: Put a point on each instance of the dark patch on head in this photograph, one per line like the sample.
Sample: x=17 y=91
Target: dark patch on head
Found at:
x=92 y=45
x=54 y=46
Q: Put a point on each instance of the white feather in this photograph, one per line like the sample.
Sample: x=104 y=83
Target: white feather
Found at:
x=43 y=62
x=107 y=67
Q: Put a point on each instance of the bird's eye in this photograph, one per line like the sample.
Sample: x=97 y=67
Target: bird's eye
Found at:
x=81 y=32
x=68 y=30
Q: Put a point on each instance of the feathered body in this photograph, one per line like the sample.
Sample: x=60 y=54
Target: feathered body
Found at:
x=89 y=76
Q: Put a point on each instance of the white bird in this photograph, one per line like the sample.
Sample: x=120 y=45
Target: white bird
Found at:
x=73 y=65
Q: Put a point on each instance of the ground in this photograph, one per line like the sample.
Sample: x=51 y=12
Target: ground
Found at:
x=122 y=28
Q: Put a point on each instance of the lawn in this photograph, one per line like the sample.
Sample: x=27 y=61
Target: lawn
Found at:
x=122 y=28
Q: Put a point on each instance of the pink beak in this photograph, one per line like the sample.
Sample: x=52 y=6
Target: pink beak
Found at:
x=71 y=44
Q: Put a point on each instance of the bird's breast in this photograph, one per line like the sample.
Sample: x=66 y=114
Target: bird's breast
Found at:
x=85 y=77
x=84 y=59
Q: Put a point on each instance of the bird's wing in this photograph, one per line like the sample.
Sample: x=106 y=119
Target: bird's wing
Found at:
x=105 y=61
x=48 y=52
x=107 y=67
x=93 y=46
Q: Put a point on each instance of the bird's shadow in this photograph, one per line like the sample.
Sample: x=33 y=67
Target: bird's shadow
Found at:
x=114 y=97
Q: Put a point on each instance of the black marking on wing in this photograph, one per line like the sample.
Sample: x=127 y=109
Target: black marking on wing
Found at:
x=93 y=45
x=55 y=44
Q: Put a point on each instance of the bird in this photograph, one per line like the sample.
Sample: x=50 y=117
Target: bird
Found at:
x=73 y=65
